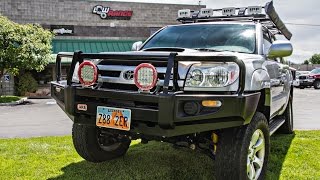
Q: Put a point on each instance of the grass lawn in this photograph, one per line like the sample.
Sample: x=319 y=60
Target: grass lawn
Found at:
x=292 y=157
x=8 y=99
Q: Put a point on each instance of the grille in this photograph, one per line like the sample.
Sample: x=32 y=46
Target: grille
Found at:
x=110 y=73
x=302 y=77
x=114 y=74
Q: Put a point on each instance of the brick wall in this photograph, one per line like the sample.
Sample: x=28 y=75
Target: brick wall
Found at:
x=79 y=13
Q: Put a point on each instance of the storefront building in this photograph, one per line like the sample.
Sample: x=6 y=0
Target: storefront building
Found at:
x=92 y=26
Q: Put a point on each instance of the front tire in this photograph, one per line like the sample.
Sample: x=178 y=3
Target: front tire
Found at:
x=242 y=153
x=95 y=146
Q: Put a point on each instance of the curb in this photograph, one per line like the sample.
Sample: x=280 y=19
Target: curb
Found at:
x=22 y=100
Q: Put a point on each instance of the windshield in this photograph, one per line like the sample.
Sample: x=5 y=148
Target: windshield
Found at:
x=219 y=37
x=315 y=71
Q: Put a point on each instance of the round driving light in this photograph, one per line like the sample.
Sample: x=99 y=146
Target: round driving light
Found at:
x=88 y=73
x=191 y=108
x=145 y=76
x=218 y=76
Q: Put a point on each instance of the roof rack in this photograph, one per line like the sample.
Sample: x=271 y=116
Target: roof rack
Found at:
x=270 y=18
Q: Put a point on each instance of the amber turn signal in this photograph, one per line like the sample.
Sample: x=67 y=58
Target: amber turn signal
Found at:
x=211 y=103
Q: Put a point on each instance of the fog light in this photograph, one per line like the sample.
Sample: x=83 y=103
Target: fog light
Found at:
x=191 y=108
x=211 y=103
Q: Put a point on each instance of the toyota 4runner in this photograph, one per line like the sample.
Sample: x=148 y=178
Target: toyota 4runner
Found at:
x=213 y=83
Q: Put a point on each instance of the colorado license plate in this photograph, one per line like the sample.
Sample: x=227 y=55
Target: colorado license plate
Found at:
x=114 y=118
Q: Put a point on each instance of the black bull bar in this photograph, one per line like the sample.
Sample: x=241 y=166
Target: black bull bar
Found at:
x=171 y=59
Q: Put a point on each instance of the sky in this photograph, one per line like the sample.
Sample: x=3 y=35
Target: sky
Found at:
x=305 y=40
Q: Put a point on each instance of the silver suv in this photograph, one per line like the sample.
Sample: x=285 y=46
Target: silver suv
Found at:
x=213 y=83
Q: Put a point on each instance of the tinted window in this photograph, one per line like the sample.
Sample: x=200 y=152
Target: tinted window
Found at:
x=222 y=37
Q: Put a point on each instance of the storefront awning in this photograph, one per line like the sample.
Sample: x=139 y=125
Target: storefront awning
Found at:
x=90 y=46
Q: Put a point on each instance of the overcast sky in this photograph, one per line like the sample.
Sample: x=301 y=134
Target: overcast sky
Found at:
x=306 y=39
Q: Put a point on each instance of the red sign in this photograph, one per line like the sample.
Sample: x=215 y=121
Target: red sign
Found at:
x=107 y=13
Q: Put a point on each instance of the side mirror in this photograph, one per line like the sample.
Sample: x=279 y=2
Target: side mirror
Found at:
x=280 y=49
x=136 y=46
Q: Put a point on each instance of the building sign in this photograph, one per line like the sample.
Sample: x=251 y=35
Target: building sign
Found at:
x=107 y=13
x=6 y=78
x=62 y=29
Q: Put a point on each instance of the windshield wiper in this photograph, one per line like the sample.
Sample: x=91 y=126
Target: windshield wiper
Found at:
x=213 y=50
x=175 y=49
x=208 y=49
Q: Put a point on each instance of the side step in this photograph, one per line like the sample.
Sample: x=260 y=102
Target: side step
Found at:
x=276 y=124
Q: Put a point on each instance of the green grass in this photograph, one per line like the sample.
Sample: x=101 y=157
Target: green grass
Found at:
x=8 y=99
x=292 y=157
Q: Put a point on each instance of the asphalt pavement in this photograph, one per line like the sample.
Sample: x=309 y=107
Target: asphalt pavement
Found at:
x=43 y=117
x=40 y=117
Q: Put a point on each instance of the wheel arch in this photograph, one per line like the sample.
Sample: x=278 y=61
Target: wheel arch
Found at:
x=260 y=81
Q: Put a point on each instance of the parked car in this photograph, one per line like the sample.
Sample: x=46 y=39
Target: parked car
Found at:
x=211 y=83
x=303 y=80
x=315 y=76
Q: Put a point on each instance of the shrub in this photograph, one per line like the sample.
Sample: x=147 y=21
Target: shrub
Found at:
x=26 y=83
x=8 y=99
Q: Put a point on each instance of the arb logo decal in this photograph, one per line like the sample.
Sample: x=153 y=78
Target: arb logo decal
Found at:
x=82 y=107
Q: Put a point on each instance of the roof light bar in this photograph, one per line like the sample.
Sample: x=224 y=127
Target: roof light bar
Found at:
x=206 y=12
x=231 y=11
x=269 y=18
x=254 y=10
x=184 y=13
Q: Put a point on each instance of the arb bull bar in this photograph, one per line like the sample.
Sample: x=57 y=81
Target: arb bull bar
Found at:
x=163 y=117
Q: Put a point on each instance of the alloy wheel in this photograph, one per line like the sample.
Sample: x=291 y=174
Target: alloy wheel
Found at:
x=256 y=154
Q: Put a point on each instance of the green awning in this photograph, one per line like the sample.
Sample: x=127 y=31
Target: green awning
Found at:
x=90 y=46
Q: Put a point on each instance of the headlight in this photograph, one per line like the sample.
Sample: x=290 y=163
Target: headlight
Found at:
x=212 y=75
x=195 y=77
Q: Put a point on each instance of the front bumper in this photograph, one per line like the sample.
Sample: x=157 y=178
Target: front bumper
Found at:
x=306 y=82
x=158 y=115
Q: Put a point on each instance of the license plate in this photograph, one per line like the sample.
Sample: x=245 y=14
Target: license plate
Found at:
x=114 y=118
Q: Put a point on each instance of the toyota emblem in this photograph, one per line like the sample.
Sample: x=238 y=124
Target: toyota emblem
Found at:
x=128 y=75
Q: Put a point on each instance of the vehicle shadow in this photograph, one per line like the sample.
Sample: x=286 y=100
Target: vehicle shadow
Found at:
x=280 y=144
x=151 y=161
x=160 y=160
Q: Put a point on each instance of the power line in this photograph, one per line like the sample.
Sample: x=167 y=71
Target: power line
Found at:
x=299 y=24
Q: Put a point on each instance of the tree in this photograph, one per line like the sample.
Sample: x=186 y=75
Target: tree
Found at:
x=315 y=59
x=23 y=47
x=306 y=62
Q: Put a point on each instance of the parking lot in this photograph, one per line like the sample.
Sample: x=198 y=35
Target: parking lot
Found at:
x=44 y=118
